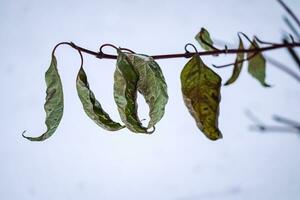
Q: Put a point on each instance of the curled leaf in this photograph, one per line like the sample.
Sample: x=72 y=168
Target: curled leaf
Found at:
x=201 y=93
x=125 y=93
x=237 y=65
x=54 y=102
x=257 y=65
x=151 y=84
x=91 y=106
x=204 y=35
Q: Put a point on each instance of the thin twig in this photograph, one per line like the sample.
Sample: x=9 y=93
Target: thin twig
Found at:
x=283 y=68
x=247 y=38
x=293 y=53
x=264 y=42
x=289 y=11
x=273 y=129
x=291 y=126
x=293 y=29
x=237 y=62
x=187 y=54
x=102 y=55
x=286 y=121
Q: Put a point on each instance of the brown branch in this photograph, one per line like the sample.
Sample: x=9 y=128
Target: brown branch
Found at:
x=238 y=62
x=188 y=54
x=102 y=55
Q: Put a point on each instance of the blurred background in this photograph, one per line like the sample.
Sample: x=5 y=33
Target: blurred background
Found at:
x=177 y=162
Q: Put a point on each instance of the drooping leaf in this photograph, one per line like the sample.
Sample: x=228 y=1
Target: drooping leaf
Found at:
x=257 y=65
x=54 y=102
x=237 y=65
x=91 y=106
x=204 y=34
x=125 y=93
x=201 y=93
x=151 y=84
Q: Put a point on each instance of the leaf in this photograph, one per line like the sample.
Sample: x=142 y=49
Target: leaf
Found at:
x=125 y=93
x=91 y=106
x=201 y=93
x=257 y=65
x=237 y=65
x=54 y=105
x=151 y=84
x=204 y=34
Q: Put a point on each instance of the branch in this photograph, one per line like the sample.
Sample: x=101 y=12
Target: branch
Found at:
x=293 y=53
x=289 y=11
x=290 y=125
x=286 y=121
x=187 y=54
x=293 y=29
x=283 y=68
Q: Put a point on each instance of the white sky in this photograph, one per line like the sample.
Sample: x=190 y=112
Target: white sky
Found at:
x=177 y=162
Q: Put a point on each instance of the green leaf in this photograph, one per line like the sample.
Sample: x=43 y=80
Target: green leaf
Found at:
x=201 y=93
x=237 y=65
x=257 y=65
x=54 y=105
x=151 y=84
x=204 y=34
x=91 y=106
x=125 y=93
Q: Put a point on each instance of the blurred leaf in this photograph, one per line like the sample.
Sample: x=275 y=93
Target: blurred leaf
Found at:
x=201 y=93
x=237 y=65
x=91 y=106
x=151 y=84
x=257 y=65
x=125 y=93
x=204 y=34
x=54 y=105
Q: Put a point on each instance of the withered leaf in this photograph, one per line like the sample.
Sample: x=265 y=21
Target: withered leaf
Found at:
x=151 y=84
x=125 y=93
x=54 y=105
x=237 y=65
x=204 y=34
x=91 y=105
x=257 y=65
x=201 y=93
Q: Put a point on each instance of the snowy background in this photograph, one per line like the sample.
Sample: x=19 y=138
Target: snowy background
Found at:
x=177 y=162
